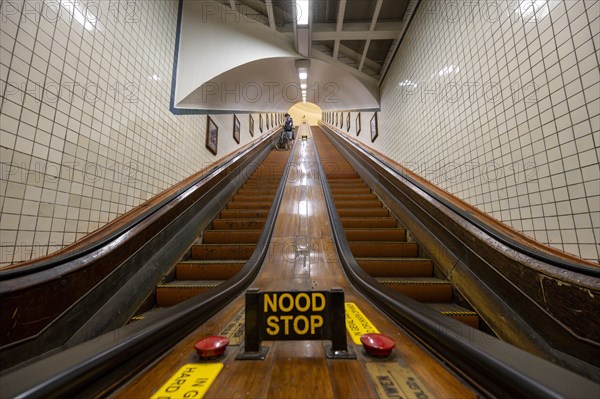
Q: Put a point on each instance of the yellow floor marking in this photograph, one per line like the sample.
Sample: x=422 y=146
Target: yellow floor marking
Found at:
x=357 y=323
x=190 y=381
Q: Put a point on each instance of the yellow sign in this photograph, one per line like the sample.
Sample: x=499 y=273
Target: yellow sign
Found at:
x=393 y=381
x=357 y=323
x=190 y=381
x=295 y=315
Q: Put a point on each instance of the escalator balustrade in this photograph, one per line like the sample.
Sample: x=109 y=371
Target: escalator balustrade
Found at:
x=228 y=242
x=380 y=244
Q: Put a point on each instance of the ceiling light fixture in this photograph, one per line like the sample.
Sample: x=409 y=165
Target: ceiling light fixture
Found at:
x=302 y=12
x=302 y=66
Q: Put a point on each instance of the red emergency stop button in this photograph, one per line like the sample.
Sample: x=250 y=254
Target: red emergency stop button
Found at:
x=211 y=347
x=377 y=345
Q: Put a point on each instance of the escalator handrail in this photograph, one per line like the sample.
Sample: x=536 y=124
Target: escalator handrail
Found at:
x=496 y=234
x=492 y=365
x=67 y=372
x=62 y=258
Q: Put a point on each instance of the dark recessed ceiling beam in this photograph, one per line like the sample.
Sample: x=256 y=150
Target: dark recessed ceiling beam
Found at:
x=340 y=24
x=371 y=30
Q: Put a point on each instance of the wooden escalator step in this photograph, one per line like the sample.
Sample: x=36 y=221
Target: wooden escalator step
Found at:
x=350 y=190
x=361 y=204
x=177 y=291
x=363 y=212
x=350 y=197
x=397 y=267
x=457 y=312
x=222 y=251
x=231 y=236
x=370 y=249
x=253 y=197
x=208 y=269
x=244 y=213
x=257 y=191
x=422 y=289
x=375 y=222
x=249 y=205
x=238 y=224
x=394 y=234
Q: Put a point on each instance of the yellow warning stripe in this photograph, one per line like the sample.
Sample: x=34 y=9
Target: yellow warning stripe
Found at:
x=357 y=323
x=190 y=381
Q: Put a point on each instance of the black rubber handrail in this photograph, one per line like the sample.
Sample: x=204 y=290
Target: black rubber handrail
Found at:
x=497 y=368
x=59 y=259
x=480 y=224
x=96 y=367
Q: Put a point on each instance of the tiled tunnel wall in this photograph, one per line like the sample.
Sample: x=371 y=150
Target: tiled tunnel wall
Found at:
x=85 y=128
x=499 y=104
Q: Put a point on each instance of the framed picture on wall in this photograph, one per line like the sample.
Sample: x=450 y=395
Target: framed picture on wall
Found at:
x=212 y=135
x=236 y=129
x=251 y=125
x=374 y=129
x=348 y=122
x=260 y=122
x=358 y=124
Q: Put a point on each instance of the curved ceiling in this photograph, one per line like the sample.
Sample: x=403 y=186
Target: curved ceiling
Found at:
x=272 y=85
x=239 y=55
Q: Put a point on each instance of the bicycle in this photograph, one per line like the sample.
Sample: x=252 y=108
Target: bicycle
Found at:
x=282 y=142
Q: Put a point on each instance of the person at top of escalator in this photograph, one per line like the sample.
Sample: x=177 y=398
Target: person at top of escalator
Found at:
x=288 y=127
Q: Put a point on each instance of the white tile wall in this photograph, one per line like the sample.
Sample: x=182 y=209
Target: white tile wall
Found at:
x=498 y=102
x=85 y=128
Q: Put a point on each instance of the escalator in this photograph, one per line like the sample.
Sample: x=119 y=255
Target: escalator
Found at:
x=221 y=251
x=379 y=243
x=517 y=287
x=164 y=342
x=96 y=285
